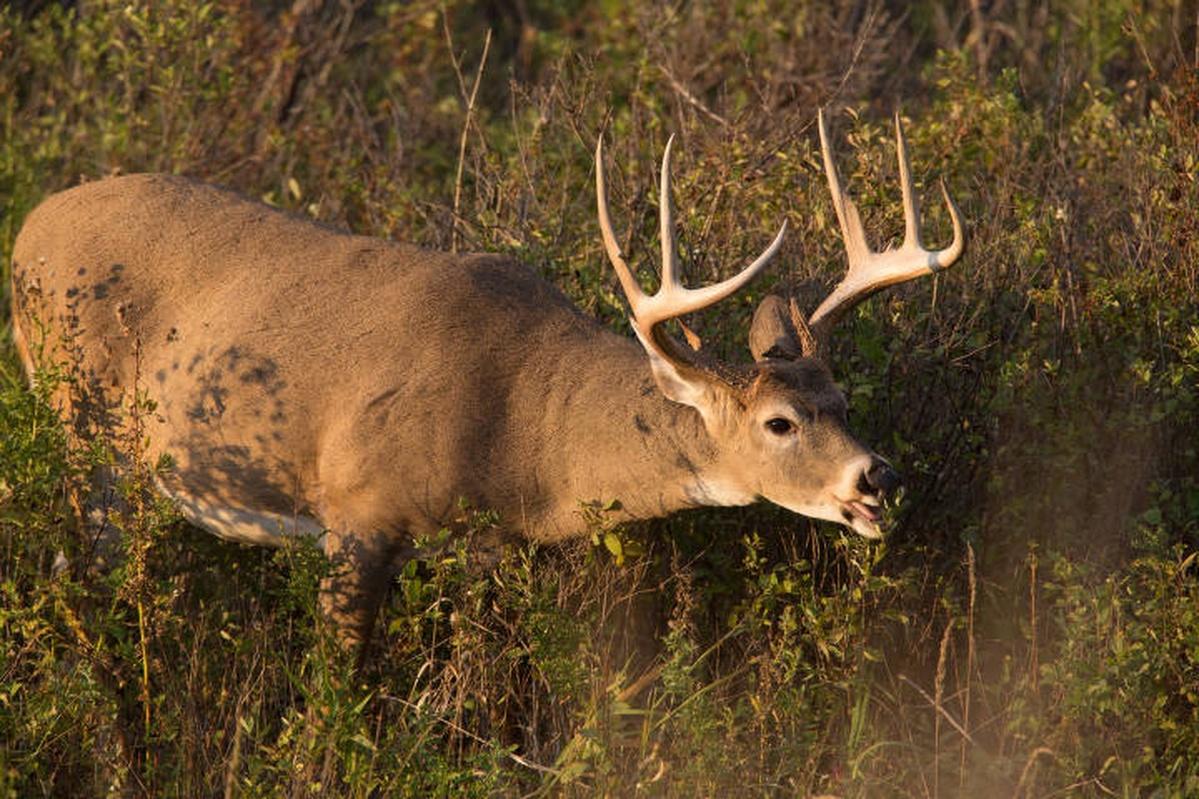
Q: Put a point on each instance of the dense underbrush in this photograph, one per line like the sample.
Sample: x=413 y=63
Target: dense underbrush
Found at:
x=1031 y=627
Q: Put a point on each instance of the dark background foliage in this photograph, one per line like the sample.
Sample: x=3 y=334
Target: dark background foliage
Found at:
x=1031 y=628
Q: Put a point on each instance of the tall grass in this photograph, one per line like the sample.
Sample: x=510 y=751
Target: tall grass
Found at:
x=1031 y=628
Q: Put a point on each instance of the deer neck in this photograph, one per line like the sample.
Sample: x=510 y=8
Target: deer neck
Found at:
x=634 y=450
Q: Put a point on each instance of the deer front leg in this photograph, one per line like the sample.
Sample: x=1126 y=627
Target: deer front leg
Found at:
x=362 y=566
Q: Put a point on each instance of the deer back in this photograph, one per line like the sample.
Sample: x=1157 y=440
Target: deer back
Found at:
x=297 y=369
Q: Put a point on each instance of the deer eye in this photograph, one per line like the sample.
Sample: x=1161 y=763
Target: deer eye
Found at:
x=779 y=426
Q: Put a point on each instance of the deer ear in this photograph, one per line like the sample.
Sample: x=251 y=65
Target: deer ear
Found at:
x=779 y=331
x=677 y=380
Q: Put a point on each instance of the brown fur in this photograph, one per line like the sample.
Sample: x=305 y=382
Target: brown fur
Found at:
x=371 y=385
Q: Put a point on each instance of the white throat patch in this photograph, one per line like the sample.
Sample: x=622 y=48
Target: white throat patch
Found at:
x=716 y=492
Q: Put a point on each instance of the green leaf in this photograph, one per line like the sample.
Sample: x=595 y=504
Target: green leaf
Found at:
x=612 y=544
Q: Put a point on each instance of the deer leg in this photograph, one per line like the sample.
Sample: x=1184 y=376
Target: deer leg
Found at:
x=351 y=595
x=94 y=506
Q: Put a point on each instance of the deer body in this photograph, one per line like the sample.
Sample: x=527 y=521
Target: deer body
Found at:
x=289 y=379
x=308 y=381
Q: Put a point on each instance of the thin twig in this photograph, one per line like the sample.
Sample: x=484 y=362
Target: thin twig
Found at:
x=973 y=582
x=234 y=760
x=698 y=104
x=476 y=738
x=641 y=683
x=938 y=698
x=858 y=47
x=455 y=236
x=1032 y=760
x=948 y=716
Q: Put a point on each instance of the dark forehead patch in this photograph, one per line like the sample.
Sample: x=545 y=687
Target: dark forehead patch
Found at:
x=807 y=377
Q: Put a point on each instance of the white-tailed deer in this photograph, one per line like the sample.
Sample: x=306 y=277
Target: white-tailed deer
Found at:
x=307 y=381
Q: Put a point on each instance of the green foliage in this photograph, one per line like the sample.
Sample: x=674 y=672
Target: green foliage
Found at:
x=1130 y=692
x=1031 y=629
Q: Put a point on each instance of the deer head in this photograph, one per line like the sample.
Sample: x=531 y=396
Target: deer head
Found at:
x=779 y=426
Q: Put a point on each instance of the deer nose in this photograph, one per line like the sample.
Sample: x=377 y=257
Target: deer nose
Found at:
x=879 y=478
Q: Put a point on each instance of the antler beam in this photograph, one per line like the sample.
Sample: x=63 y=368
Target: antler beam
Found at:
x=870 y=271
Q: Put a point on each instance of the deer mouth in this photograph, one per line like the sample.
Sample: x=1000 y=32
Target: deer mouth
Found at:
x=860 y=515
x=862 y=518
x=860 y=510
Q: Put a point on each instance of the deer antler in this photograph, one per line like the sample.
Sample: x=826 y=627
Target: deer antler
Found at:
x=672 y=299
x=870 y=271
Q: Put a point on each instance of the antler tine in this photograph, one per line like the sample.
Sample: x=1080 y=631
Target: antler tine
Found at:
x=670 y=262
x=852 y=232
x=870 y=271
x=911 y=205
x=672 y=299
x=943 y=259
x=681 y=300
x=627 y=281
x=938 y=259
